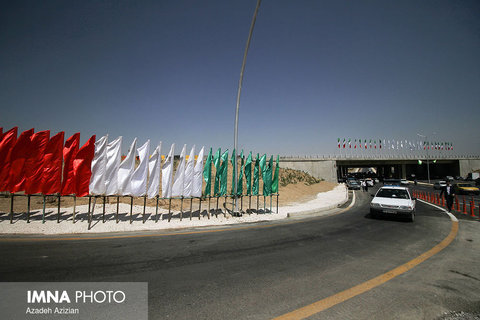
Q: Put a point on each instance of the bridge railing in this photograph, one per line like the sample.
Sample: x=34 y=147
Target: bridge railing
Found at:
x=380 y=157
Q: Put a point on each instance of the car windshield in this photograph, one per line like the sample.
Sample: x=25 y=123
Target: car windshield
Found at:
x=393 y=193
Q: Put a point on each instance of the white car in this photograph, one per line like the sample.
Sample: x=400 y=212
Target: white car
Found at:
x=439 y=185
x=393 y=200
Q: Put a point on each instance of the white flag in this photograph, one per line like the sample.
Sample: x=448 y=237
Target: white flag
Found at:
x=167 y=174
x=99 y=167
x=178 y=181
x=114 y=157
x=197 y=176
x=188 y=182
x=138 y=184
x=126 y=169
x=154 y=165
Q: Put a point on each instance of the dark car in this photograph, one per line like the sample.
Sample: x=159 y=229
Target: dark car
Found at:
x=353 y=184
x=392 y=182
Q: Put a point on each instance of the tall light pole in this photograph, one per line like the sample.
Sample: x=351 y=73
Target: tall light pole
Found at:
x=235 y=144
x=428 y=161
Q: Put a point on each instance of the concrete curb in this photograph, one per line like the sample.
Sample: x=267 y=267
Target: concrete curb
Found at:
x=322 y=209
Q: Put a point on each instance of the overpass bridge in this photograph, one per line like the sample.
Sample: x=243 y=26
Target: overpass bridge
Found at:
x=330 y=168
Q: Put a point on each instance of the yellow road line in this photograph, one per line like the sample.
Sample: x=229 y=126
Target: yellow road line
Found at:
x=340 y=297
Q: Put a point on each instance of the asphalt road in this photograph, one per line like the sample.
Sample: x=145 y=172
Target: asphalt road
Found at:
x=263 y=271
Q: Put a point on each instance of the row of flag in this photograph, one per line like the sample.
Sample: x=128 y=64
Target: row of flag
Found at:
x=37 y=163
x=392 y=144
x=270 y=176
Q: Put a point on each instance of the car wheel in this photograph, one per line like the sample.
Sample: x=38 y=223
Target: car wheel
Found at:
x=412 y=217
x=373 y=215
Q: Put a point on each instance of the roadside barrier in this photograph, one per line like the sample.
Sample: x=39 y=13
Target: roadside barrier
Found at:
x=472 y=207
x=469 y=209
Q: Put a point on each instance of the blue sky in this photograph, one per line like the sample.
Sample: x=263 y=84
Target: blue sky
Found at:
x=316 y=71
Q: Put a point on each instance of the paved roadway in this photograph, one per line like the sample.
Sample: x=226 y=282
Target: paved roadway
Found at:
x=264 y=271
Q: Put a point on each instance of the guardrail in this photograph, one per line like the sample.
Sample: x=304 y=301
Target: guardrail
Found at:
x=381 y=157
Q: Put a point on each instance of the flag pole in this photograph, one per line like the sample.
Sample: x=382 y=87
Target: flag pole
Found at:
x=169 y=209
x=144 y=206
x=270 y=203
x=58 y=215
x=242 y=70
x=43 y=213
x=277 y=202
x=103 y=216
x=208 y=212
x=11 y=207
x=89 y=203
x=118 y=206
x=199 y=207
x=226 y=209
x=131 y=209
x=156 y=211
x=181 y=209
x=191 y=208
x=28 y=209
x=74 y=207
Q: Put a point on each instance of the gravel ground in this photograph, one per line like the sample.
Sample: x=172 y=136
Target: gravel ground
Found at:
x=140 y=221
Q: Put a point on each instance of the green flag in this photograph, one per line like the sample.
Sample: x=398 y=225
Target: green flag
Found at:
x=256 y=176
x=267 y=183
x=207 y=175
x=233 y=160
x=264 y=167
x=216 y=163
x=248 y=174
x=240 y=176
x=275 y=177
x=224 y=173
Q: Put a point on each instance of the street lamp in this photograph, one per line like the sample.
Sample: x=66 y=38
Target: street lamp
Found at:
x=428 y=161
x=235 y=143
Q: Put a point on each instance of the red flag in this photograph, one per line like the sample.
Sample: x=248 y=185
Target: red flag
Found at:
x=34 y=164
x=6 y=145
x=52 y=165
x=69 y=153
x=18 y=158
x=82 y=167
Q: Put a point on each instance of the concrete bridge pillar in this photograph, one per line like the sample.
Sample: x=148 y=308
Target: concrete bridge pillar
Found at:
x=404 y=171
